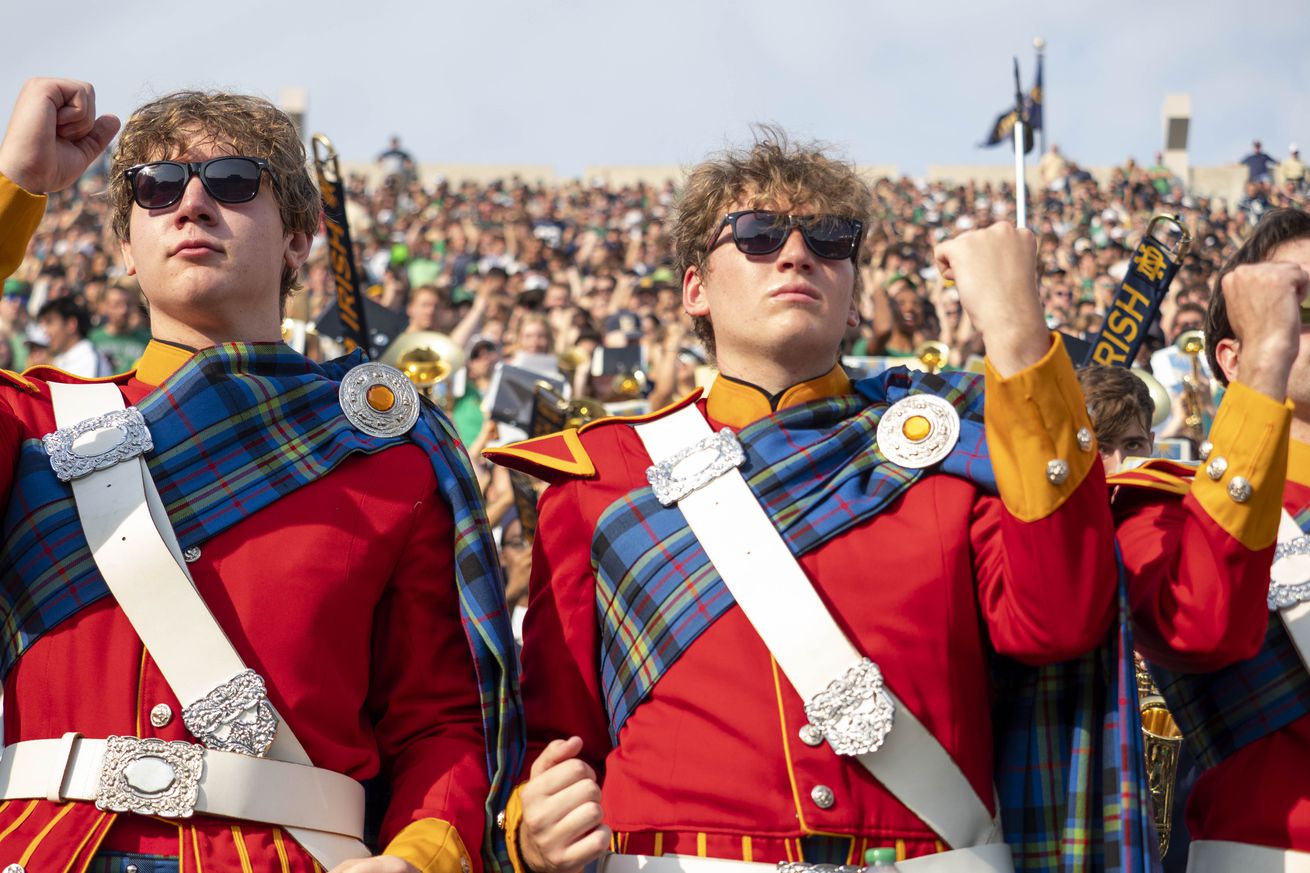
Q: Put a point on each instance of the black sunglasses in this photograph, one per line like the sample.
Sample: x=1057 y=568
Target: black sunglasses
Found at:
x=160 y=184
x=761 y=232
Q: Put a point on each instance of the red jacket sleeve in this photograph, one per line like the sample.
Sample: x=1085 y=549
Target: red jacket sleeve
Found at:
x=423 y=696
x=561 y=677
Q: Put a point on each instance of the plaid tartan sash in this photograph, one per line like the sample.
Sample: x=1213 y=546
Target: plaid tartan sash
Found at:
x=237 y=427
x=1223 y=711
x=816 y=470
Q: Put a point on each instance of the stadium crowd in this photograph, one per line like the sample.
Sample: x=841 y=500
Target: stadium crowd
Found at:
x=514 y=268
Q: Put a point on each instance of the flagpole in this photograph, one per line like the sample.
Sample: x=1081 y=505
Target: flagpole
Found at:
x=1040 y=45
x=1020 y=188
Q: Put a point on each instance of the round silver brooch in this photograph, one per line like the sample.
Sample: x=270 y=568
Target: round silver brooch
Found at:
x=379 y=400
x=918 y=431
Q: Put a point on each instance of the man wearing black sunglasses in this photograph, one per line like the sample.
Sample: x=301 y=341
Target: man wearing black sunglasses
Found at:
x=761 y=621
x=264 y=582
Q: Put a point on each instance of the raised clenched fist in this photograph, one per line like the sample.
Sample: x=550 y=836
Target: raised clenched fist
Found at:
x=53 y=135
x=995 y=270
x=1263 y=305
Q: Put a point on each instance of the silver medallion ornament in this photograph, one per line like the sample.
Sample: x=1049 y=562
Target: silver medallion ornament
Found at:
x=379 y=400
x=854 y=712
x=918 y=431
x=234 y=717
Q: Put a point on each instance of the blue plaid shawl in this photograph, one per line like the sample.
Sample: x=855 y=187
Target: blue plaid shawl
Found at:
x=1069 y=755
x=237 y=427
x=1223 y=711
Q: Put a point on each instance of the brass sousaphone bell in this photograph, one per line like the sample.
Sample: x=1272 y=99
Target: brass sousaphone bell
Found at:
x=426 y=357
x=1159 y=396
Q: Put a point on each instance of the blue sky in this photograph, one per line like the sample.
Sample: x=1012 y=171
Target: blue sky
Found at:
x=571 y=84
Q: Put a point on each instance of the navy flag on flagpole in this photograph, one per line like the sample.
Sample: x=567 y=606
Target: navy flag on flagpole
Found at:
x=1003 y=128
x=1033 y=103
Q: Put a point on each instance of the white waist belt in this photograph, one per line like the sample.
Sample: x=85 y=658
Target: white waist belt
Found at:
x=1221 y=856
x=991 y=858
x=175 y=779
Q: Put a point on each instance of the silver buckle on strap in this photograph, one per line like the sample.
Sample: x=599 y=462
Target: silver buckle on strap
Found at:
x=855 y=712
x=150 y=777
x=702 y=463
x=1281 y=595
x=96 y=443
x=234 y=717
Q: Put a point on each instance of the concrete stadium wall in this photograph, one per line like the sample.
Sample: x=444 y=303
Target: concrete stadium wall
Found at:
x=1226 y=182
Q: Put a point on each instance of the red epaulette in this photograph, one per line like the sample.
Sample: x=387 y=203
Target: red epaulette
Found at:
x=45 y=372
x=1157 y=474
x=18 y=381
x=559 y=456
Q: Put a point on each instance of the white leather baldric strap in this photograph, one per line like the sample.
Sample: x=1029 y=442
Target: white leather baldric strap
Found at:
x=783 y=607
x=232 y=785
x=1221 y=856
x=137 y=553
x=993 y=858
x=1290 y=576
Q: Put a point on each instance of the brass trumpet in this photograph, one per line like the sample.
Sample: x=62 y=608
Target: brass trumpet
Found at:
x=1195 y=403
x=1161 y=742
x=933 y=355
x=571 y=358
x=629 y=386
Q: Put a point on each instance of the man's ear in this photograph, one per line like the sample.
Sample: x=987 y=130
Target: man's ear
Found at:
x=1228 y=353
x=297 y=250
x=129 y=263
x=694 y=299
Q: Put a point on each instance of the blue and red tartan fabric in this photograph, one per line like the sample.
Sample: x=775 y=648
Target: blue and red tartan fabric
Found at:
x=1070 y=771
x=1069 y=758
x=1223 y=711
x=235 y=428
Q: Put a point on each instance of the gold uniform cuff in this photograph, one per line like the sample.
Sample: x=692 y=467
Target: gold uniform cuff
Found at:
x=514 y=818
x=432 y=845
x=1240 y=483
x=1038 y=433
x=20 y=213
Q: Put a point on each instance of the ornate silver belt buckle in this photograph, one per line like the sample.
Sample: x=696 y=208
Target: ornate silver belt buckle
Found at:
x=234 y=717
x=695 y=466
x=854 y=713
x=150 y=777
x=96 y=443
x=806 y=867
x=1285 y=594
